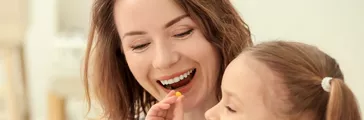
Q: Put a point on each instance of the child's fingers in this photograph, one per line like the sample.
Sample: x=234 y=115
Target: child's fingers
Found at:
x=158 y=108
x=171 y=93
x=154 y=118
x=169 y=100
x=176 y=112
x=180 y=98
x=178 y=109
x=162 y=106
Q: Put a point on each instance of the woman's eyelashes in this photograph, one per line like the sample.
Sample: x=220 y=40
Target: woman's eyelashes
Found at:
x=139 y=46
x=184 y=34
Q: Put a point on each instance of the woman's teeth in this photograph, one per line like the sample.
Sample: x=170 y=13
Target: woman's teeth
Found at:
x=176 y=79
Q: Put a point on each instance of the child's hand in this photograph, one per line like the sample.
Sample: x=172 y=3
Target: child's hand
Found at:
x=170 y=108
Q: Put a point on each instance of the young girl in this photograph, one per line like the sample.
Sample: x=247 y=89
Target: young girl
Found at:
x=277 y=81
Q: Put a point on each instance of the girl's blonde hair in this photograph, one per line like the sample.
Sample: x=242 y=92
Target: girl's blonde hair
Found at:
x=302 y=68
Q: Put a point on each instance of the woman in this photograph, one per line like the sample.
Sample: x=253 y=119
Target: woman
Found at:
x=143 y=49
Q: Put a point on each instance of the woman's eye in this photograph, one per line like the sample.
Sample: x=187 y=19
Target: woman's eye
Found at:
x=140 y=47
x=230 y=109
x=183 y=34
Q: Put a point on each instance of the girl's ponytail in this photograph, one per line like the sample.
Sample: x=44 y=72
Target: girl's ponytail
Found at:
x=342 y=104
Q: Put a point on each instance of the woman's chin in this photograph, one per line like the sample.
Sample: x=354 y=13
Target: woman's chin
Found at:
x=198 y=101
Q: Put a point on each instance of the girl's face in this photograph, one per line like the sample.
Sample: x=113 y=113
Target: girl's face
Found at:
x=165 y=49
x=247 y=92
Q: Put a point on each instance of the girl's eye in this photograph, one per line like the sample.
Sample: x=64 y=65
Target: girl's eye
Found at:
x=183 y=34
x=140 y=46
x=230 y=109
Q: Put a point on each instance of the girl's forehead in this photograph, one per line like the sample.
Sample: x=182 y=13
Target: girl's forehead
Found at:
x=247 y=76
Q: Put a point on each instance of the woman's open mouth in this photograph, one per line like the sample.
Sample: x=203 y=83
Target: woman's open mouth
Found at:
x=178 y=81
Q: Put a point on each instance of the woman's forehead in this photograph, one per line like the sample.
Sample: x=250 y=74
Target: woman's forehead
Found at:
x=137 y=14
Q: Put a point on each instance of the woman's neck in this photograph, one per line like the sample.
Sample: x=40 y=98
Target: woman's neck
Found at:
x=199 y=113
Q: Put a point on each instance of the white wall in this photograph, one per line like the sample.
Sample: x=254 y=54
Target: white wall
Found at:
x=335 y=26
x=49 y=19
x=12 y=94
x=74 y=15
x=37 y=45
x=12 y=22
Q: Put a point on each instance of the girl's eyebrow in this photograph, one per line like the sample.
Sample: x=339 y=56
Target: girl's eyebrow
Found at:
x=233 y=96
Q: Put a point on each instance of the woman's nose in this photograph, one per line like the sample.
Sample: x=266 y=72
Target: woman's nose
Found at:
x=165 y=56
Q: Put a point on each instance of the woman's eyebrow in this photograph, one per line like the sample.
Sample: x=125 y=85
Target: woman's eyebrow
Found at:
x=170 y=23
x=175 y=20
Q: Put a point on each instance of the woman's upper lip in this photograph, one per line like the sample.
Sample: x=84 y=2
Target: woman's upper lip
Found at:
x=167 y=77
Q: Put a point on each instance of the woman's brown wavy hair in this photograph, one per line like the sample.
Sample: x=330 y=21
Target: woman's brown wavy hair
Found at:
x=106 y=72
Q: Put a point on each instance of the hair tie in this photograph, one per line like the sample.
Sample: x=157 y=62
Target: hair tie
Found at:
x=325 y=83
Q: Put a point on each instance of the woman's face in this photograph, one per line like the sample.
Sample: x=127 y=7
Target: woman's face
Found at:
x=247 y=92
x=165 y=49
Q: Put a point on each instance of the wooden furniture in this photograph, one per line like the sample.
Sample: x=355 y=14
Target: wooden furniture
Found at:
x=56 y=106
x=13 y=86
x=13 y=14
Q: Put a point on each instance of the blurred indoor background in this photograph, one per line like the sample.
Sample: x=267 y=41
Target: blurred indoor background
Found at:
x=42 y=44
